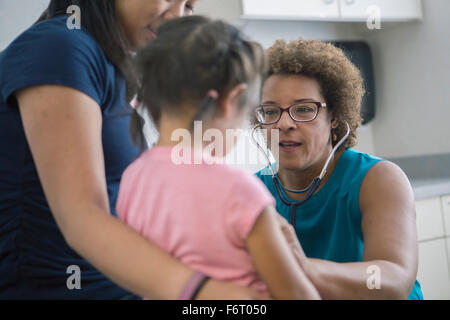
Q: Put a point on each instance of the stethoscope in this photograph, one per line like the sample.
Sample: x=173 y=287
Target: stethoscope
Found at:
x=311 y=189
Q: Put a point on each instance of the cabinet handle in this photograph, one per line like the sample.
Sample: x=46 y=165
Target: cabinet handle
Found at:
x=350 y=2
x=327 y=2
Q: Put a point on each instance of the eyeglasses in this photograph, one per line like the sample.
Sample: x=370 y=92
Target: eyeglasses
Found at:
x=301 y=111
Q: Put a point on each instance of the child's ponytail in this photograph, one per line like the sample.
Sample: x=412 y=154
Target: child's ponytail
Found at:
x=137 y=130
x=193 y=62
x=207 y=107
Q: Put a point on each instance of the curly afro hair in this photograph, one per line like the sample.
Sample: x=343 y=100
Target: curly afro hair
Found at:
x=340 y=81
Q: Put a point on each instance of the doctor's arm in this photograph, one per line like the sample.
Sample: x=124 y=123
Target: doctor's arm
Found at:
x=390 y=243
x=275 y=262
x=63 y=129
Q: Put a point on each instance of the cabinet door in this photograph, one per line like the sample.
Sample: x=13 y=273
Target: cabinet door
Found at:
x=429 y=219
x=389 y=9
x=291 y=9
x=446 y=212
x=433 y=273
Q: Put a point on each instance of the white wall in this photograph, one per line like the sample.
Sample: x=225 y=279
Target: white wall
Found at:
x=412 y=70
x=266 y=33
x=411 y=66
x=16 y=16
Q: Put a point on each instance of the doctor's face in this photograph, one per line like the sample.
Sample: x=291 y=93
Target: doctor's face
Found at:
x=303 y=145
x=140 y=19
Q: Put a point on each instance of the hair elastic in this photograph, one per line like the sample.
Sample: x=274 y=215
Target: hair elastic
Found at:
x=213 y=94
x=193 y=286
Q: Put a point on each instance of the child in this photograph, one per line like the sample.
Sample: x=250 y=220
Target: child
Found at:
x=217 y=219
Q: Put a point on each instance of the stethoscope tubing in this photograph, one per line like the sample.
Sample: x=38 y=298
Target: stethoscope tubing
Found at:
x=312 y=187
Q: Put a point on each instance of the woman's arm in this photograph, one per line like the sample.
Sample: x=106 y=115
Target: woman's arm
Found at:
x=274 y=261
x=390 y=243
x=63 y=129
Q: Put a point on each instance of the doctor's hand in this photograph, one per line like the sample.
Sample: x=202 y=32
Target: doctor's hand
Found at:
x=292 y=240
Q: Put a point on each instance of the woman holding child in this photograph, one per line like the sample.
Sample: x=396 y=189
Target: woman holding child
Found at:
x=65 y=122
x=65 y=143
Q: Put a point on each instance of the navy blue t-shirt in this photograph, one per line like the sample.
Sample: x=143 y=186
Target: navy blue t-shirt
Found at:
x=34 y=255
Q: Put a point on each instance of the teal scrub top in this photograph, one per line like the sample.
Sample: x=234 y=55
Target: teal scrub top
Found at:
x=328 y=225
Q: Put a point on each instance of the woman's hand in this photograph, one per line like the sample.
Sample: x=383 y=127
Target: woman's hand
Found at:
x=221 y=290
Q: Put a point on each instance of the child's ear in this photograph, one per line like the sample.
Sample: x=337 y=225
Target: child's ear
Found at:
x=231 y=99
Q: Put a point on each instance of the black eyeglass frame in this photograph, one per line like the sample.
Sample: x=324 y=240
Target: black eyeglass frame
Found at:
x=288 y=110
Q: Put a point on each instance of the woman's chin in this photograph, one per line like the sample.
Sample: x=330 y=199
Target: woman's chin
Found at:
x=291 y=164
x=141 y=41
x=291 y=160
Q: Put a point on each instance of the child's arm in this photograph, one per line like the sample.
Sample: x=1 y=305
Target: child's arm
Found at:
x=275 y=262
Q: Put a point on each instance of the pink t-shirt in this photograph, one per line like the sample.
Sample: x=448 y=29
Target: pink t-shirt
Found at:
x=199 y=213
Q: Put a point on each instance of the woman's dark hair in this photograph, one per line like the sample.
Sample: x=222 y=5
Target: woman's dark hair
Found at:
x=190 y=57
x=98 y=17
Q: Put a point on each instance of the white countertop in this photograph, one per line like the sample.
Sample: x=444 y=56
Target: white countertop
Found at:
x=428 y=188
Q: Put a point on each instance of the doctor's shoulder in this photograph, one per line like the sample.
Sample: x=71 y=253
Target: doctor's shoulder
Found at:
x=385 y=184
